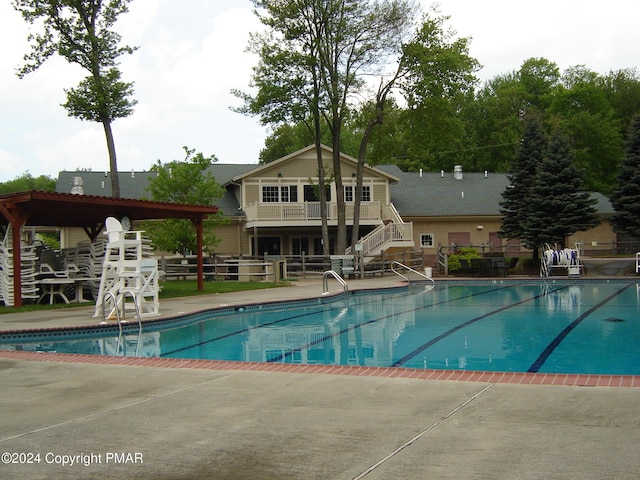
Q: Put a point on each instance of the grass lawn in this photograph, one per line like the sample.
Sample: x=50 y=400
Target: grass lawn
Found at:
x=187 y=288
x=169 y=289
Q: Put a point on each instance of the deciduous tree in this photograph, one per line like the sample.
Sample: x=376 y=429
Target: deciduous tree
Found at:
x=28 y=182
x=187 y=182
x=314 y=57
x=80 y=31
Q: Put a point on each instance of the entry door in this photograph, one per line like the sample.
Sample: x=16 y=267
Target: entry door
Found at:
x=268 y=246
x=459 y=239
x=495 y=241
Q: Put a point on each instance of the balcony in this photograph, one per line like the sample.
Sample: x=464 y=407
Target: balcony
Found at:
x=307 y=214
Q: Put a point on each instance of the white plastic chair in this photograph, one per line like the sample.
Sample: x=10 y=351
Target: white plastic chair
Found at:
x=114 y=229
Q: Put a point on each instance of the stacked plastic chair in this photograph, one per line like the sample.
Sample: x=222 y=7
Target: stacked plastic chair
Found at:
x=27 y=266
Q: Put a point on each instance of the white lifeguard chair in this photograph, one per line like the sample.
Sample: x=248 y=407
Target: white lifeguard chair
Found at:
x=126 y=272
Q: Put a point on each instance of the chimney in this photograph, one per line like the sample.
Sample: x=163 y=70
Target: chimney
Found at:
x=76 y=188
x=457 y=172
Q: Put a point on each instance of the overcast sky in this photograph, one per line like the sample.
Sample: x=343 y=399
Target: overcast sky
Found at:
x=192 y=54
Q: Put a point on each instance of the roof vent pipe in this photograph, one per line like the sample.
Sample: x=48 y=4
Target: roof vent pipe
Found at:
x=485 y=174
x=457 y=172
x=76 y=188
x=441 y=173
x=420 y=173
x=133 y=174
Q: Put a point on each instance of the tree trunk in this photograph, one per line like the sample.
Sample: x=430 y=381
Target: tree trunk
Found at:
x=341 y=241
x=322 y=194
x=113 y=162
x=355 y=233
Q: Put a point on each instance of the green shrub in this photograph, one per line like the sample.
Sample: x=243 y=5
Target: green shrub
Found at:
x=467 y=252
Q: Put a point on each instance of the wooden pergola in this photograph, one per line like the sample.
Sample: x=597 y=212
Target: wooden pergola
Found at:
x=50 y=209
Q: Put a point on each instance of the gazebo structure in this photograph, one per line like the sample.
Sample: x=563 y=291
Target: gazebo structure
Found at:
x=49 y=209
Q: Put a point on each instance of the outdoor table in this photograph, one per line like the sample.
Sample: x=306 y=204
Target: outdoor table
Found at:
x=53 y=287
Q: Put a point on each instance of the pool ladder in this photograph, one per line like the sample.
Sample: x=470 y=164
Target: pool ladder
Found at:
x=402 y=265
x=123 y=296
x=325 y=281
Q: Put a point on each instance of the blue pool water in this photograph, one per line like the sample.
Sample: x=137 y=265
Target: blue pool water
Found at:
x=545 y=327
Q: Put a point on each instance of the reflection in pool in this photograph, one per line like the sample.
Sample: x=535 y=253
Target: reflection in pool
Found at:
x=561 y=327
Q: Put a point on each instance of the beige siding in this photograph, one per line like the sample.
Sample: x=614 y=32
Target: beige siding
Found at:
x=252 y=193
x=380 y=193
x=233 y=239
x=598 y=238
x=304 y=166
x=440 y=229
x=70 y=237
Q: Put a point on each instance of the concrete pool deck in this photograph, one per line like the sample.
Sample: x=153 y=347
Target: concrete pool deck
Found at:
x=192 y=420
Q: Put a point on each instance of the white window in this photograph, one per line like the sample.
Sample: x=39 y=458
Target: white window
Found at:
x=366 y=193
x=279 y=193
x=426 y=240
x=350 y=193
x=270 y=193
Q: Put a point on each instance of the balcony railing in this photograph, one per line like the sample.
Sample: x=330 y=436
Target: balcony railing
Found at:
x=284 y=212
x=385 y=236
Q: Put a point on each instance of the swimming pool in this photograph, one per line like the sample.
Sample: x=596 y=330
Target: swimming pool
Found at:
x=560 y=327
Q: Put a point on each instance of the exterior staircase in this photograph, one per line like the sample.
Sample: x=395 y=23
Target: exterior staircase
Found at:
x=393 y=233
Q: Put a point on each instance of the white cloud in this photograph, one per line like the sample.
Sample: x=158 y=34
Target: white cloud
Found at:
x=191 y=54
x=601 y=36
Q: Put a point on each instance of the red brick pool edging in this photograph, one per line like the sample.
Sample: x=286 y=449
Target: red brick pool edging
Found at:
x=522 y=378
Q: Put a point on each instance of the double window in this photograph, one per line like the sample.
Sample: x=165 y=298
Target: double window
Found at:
x=350 y=193
x=279 y=193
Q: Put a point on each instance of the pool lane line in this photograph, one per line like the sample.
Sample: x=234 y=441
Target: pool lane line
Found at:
x=237 y=332
x=537 y=364
x=406 y=358
x=284 y=355
x=248 y=329
x=273 y=322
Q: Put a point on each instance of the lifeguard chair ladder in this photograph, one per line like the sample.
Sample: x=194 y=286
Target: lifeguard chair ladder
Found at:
x=125 y=270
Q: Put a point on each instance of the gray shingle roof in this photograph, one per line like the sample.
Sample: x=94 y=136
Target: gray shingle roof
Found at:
x=435 y=194
x=414 y=195
x=134 y=185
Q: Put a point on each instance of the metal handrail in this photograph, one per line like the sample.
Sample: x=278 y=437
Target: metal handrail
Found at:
x=122 y=320
x=325 y=282
x=395 y=262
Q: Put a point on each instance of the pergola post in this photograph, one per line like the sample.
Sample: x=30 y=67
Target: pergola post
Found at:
x=88 y=212
x=199 y=246
x=16 y=221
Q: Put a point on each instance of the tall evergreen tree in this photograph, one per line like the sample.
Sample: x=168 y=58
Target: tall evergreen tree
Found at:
x=515 y=198
x=557 y=204
x=626 y=195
